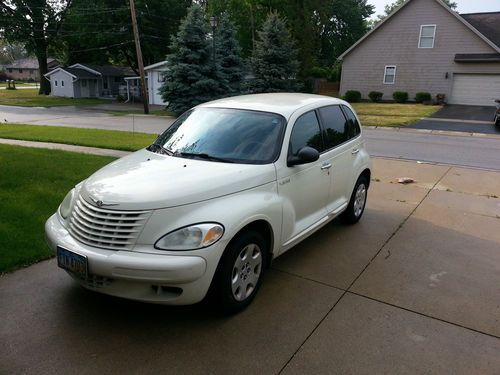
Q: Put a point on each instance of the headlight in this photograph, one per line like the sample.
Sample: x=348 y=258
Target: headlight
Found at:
x=194 y=237
x=65 y=207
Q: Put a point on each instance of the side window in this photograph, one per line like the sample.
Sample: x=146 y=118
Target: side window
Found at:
x=353 y=128
x=306 y=132
x=335 y=125
x=55 y=82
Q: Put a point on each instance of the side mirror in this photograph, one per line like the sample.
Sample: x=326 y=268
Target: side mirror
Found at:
x=304 y=156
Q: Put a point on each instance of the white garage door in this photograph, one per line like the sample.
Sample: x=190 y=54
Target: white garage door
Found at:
x=475 y=89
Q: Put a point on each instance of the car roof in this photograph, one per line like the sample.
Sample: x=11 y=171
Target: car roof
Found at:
x=282 y=103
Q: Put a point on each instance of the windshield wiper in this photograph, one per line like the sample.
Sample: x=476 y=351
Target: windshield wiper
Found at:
x=159 y=149
x=202 y=156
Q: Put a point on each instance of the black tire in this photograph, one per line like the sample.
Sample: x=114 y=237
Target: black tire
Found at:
x=353 y=212
x=229 y=273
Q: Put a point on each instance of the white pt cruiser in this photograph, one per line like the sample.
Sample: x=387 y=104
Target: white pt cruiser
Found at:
x=229 y=186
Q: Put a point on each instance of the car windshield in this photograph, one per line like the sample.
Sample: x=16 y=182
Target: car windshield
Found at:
x=223 y=135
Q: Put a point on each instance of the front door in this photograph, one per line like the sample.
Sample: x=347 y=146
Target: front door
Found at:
x=304 y=188
x=92 y=88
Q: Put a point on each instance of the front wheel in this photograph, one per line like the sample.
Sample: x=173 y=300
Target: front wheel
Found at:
x=356 y=205
x=239 y=274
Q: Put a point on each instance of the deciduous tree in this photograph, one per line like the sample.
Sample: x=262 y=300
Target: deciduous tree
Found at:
x=36 y=24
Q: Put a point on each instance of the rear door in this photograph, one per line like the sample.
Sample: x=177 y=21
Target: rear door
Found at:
x=341 y=136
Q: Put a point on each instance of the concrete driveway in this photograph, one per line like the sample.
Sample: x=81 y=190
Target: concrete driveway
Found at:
x=413 y=288
x=461 y=118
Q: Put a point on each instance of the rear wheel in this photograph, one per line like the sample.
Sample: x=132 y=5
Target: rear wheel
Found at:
x=240 y=272
x=356 y=205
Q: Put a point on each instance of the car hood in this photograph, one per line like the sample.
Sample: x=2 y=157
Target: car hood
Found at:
x=146 y=180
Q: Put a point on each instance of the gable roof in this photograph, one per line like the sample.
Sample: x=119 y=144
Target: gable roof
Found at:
x=105 y=70
x=156 y=65
x=487 y=24
x=460 y=18
x=74 y=72
x=28 y=63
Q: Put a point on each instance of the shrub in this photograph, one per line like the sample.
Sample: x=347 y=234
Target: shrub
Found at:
x=440 y=99
x=400 y=96
x=352 y=96
x=318 y=72
x=375 y=96
x=421 y=97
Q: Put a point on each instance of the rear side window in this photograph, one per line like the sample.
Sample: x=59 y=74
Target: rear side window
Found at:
x=334 y=124
x=306 y=132
x=353 y=129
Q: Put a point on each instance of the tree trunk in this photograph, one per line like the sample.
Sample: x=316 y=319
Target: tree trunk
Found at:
x=41 y=55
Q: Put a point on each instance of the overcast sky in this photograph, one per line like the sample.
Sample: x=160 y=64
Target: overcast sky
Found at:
x=464 y=6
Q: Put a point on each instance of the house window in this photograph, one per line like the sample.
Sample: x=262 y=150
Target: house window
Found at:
x=161 y=77
x=10 y=70
x=55 y=83
x=62 y=83
x=105 y=84
x=427 y=34
x=20 y=70
x=390 y=74
x=118 y=79
x=84 y=83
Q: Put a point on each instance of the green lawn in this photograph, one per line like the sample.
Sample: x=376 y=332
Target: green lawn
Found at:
x=391 y=114
x=112 y=139
x=30 y=98
x=33 y=183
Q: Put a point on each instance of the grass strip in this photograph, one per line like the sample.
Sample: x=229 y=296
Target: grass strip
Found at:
x=31 y=98
x=33 y=182
x=112 y=139
x=391 y=114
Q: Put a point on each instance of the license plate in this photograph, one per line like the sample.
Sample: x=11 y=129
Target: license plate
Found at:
x=75 y=263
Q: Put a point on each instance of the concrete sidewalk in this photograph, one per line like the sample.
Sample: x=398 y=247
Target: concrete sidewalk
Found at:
x=414 y=287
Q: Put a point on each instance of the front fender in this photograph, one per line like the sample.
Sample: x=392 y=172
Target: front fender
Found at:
x=234 y=212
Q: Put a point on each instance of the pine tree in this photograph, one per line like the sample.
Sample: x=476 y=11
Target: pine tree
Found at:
x=228 y=54
x=192 y=77
x=274 y=60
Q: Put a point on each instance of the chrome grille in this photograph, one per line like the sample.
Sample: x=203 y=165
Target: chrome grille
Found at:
x=104 y=228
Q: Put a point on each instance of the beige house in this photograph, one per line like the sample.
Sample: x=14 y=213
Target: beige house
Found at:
x=424 y=46
x=27 y=69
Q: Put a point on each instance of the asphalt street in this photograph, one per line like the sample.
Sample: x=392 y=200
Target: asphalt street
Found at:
x=79 y=117
x=458 y=149
x=480 y=151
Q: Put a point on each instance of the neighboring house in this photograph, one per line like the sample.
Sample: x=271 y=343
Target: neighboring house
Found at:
x=27 y=69
x=424 y=46
x=155 y=79
x=87 y=81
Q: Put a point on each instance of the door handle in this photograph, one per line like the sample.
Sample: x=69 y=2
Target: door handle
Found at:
x=355 y=151
x=326 y=166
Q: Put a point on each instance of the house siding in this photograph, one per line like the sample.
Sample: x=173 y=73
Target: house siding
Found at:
x=154 y=86
x=418 y=69
x=59 y=90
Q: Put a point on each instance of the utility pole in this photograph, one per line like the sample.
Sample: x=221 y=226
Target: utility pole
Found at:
x=145 y=98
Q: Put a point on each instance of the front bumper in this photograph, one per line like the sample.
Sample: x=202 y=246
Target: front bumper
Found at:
x=157 y=278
